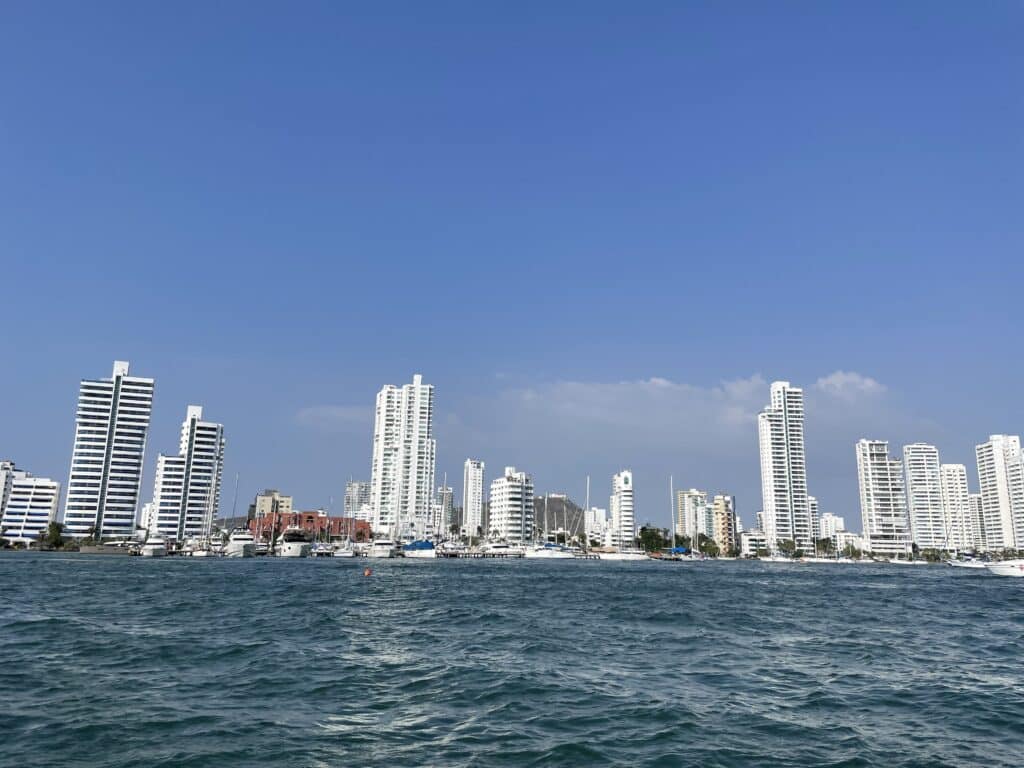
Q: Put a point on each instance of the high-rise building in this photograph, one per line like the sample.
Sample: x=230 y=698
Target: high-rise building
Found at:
x=621 y=507
x=924 y=496
x=187 y=487
x=512 y=507
x=829 y=525
x=473 y=498
x=445 y=513
x=956 y=507
x=357 y=499
x=1001 y=479
x=28 y=504
x=815 y=510
x=883 y=503
x=692 y=513
x=726 y=536
x=402 y=472
x=597 y=524
x=106 y=463
x=977 y=522
x=787 y=513
x=270 y=502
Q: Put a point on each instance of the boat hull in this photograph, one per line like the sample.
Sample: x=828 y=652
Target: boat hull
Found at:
x=636 y=556
x=240 y=549
x=421 y=554
x=1007 y=568
x=548 y=554
x=293 y=549
x=149 y=551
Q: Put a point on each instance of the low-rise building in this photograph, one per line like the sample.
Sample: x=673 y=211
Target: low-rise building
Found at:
x=753 y=541
x=28 y=504
x=317 y=523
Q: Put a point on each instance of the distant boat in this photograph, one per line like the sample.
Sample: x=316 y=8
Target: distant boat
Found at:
x=294 y=543
x=501 y=548
x=1007 y=568
x=624 y=554
x=420 y=549
x=976 y=564
x=155 y=546
x=381 y=548
x=240 y=544
x=549 y=551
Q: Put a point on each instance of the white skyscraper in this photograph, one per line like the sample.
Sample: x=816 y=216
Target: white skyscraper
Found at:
x=829 y=525
x=357 y=498
x=692 y=512
x=621 y=507
x=977 y=522
x=402 y=472
x=512 y=507
x=106 y=464
x=956 y=507
x=924 y=496
x=473 y=498
x=787 y=513
x=597 y=524
x=187 y=488
x=28 y=504
x=1001 y=479
x=883 y=504
x=444 y=511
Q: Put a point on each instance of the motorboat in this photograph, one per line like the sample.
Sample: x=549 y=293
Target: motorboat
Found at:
x=420 y=549
x=261 y=548
x=198 y=548
x=320 y=549
x=155 y=546
x=381 y=548
x=241 y=543
x=1007 y=568
x=976 y=564
x=501 y=549
x=344 y=550
x=294 y=542
x=549 y=551
x=624 y=554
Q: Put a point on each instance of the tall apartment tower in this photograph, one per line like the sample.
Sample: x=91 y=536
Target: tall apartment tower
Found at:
x=924 y=496
x=692 y=514
x=977 y=522
x=187 y=488
x=106 y=463
x=621 y=508
x=357 y=499
x=1001 y=477
x=787 y=513
x=512 y=507
x=956 y=507
x=473 y=498
x=724 y=510
x=445 y=511
x=883 y=503
x=28 y=504
x=402 y=470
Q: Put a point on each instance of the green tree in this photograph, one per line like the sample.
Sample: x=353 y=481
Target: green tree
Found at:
x=652 y=539
x=787 y=547
x=707 y=546
x=825 y=546
x=53 y=536
x=682 y=541
x=851 y=552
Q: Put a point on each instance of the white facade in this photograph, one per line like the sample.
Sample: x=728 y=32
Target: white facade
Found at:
x=28 y=504
x=111 y=426
x=1001 y=480
x=977 y=522
x=357 y=498
x=752 y=541
x=829 y=525
x=597 y=524
x=512 y=507
x=623 y=525
x=187 y=488
x=883 y=504
x=692 y=515
x=956 y=505
x=444 y=511
x=787 y=512
x=402 y=471
x=928 y=528
x=473 y=497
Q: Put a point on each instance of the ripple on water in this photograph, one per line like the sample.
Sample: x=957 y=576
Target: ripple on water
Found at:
x=135 y=662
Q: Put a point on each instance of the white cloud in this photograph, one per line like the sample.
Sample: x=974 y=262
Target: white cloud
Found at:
x=335 y=418
x=849 y=385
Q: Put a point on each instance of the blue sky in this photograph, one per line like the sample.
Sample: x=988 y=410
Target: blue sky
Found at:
x=600 y=229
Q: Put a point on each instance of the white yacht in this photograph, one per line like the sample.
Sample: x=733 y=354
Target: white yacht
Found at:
x=241 y=543
x=344 y=550
x=976 y=564
x=549 y=551
x=420 y=549
x=155 y=546
x=501 y=548
x=294 y=542
x=624 y=554
x=381 y=548
x=1007 y=568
